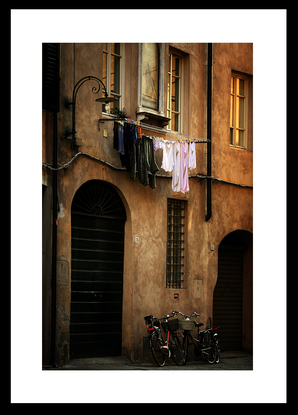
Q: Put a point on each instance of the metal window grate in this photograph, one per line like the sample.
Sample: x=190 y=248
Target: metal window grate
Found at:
x=175 y=243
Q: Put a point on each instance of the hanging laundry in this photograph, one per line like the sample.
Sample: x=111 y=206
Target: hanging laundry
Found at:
x=132 y=151
x=137 y=154
x=120 y=139
x=116 y=125
x=176 y=168
x=147 y=167
x=125 y=155
x=158 y=143
x=192 y=163
x=139 y=130
x=167 y=160
x=184 y=185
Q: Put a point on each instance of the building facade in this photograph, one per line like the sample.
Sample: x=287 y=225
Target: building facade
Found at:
x=115 y=248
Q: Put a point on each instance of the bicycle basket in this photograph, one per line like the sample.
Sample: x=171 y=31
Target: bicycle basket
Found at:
x=171 y=324
x=148 y=319
x=186 y=324
x=149 y=323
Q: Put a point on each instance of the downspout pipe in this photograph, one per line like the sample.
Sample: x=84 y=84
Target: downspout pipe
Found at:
x=54 y=243
x=209 y=135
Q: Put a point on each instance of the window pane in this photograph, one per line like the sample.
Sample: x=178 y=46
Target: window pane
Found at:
x=175 y=94
x=176 y=118
x=104 y=68
x=232 y=111
x=115 y=74
x=150 y=75
x=169 y=93
x=241 y=138
x=232 y=85
x=236 y=143
x=176 y=64
x=241 y=87
x=231 y=136
x=104 y=75
x=115 y=48
x=240 y=118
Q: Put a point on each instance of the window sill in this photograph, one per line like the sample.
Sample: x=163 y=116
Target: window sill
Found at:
x=152 y=117
x=237 y=147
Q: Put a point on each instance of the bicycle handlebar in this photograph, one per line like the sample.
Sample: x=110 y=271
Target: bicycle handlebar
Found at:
x=185 y=315
x=163 y=318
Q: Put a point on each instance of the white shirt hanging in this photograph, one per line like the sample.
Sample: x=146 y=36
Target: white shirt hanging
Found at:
x=167 y=160
x=192 y=162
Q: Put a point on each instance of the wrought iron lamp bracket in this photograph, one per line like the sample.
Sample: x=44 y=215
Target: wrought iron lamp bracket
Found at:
x=68 y=103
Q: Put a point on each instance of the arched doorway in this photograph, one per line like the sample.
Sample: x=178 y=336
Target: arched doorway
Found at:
x=232 y=297
x=97 y=247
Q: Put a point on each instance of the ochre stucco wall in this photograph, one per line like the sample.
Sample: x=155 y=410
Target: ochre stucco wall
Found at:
x=144 y=286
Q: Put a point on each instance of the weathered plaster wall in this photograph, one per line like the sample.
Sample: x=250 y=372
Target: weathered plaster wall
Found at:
x=144 y=284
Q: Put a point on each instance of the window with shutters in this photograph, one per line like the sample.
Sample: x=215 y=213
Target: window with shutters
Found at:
x=175 y=243
x=50 y=76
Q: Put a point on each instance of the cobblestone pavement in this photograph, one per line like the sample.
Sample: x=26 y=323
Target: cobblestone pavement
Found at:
x=228 y=361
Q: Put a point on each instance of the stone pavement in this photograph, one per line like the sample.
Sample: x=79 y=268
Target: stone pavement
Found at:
x=238 y=360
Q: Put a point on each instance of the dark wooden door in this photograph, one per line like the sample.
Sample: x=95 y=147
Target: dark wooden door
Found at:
x=227 y=298
x=97 y=246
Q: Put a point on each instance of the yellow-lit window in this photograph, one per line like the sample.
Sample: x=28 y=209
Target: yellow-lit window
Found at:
x=174 y=93
x=238 y=118
x=112 y=75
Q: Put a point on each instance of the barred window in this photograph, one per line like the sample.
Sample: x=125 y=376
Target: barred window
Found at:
x=175 y=243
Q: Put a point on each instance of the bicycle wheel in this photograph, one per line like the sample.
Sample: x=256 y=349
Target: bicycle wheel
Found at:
x=210 y=352
x=159 y=356
x=216 y=351
x=185 y=345
x=179 y=355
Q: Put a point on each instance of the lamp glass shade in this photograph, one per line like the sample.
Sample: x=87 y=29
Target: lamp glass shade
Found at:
x=106 y=99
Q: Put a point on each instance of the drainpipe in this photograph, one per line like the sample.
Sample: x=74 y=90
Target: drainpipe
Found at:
x=209 y=135
x=54 y=243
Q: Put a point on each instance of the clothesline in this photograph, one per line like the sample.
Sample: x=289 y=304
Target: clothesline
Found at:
x=178 y=136
x=174 y=134
x=137 y=152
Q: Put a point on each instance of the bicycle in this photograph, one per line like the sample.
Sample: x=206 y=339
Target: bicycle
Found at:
x=164 y=343
x=206 y=343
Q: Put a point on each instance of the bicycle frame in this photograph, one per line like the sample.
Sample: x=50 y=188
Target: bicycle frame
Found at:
x=199 y=342
x=206 y=343
x=170 y=347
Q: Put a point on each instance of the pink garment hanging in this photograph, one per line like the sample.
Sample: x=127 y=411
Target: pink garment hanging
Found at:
x=184 y=185
x=176 y=169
